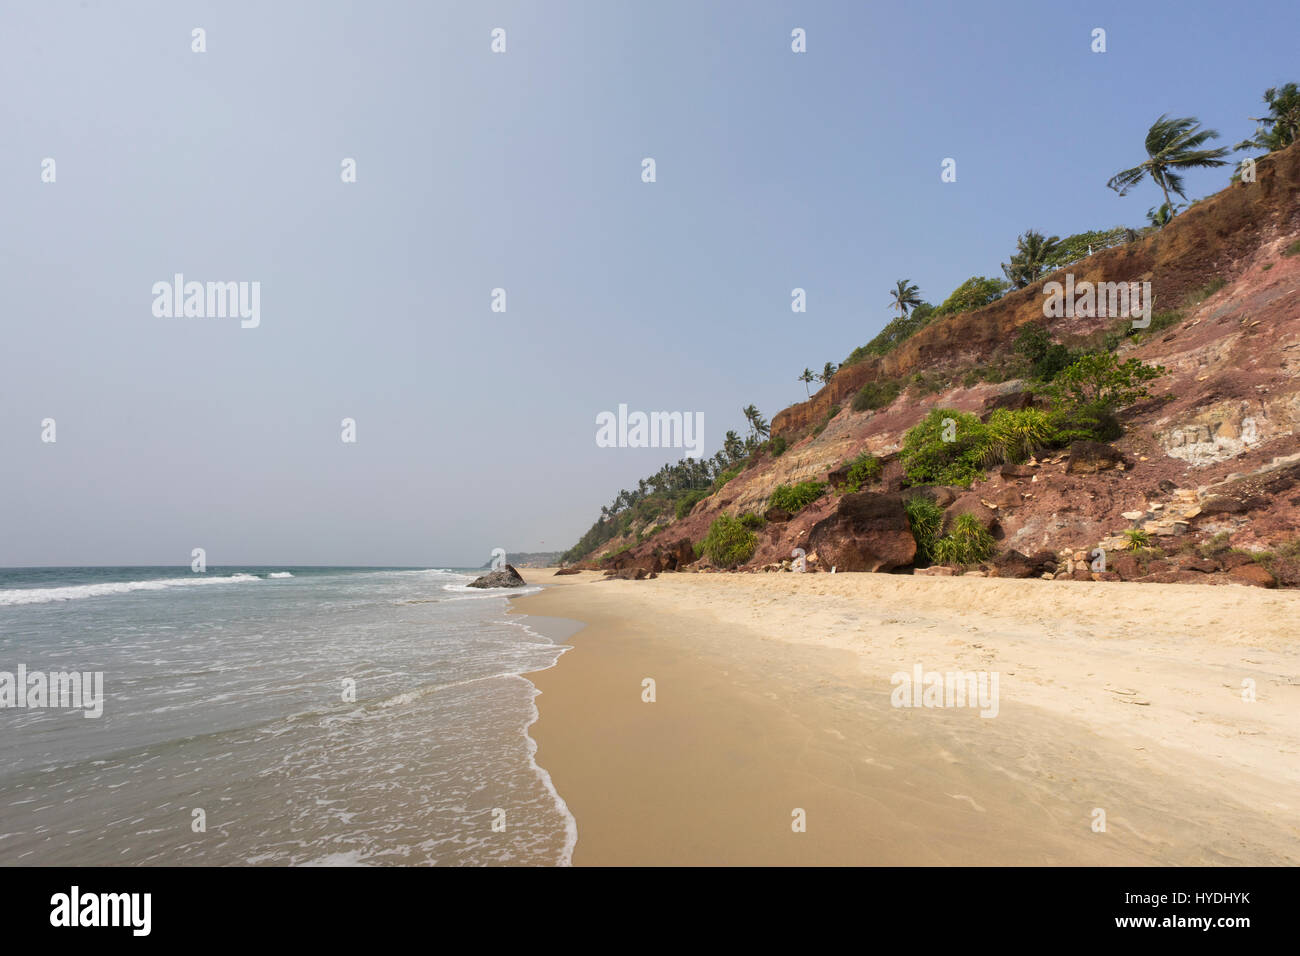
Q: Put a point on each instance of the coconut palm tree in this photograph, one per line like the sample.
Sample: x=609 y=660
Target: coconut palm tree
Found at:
x=1281 y=127
x=1031 y=258
x=807 y=377
x=905 y=295
x=1172 y=144
x=829 y=369
x=758 y=426
x=733 y=446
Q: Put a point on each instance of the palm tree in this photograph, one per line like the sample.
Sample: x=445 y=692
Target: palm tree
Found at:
x=758 y=427
x=1282 y=124
x=829 y=369
x=906 y=296
x=733 y=446
x=807 y=377
x=1172 y=144
x=1031 y=258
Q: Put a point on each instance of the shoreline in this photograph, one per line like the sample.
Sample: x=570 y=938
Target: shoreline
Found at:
x=773 y=695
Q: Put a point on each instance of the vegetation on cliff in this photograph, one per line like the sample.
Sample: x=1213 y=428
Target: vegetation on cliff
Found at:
x=1075 y=387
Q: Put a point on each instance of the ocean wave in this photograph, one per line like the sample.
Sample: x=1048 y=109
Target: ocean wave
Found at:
x=106 y=588
x=279 y=574
x=466 y=593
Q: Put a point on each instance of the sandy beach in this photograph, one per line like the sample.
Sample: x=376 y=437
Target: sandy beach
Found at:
x=1123 y=704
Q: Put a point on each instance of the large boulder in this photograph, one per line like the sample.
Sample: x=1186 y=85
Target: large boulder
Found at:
x=1090 y=457
x=940 y=495
x=670 y=557
x=1014 y=564
x=1010 y=401
x=630 y=574
x=1254 y=575
x=507 y=577
x=971 y=504
x=1232 y=505
x=868 y=531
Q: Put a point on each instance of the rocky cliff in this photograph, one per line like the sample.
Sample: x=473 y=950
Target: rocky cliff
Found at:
x=1208 y=467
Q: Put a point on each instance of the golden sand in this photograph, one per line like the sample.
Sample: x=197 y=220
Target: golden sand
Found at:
x=1121 y=703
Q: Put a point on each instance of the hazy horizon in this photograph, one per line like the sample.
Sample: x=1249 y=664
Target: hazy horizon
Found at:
x=518 y=170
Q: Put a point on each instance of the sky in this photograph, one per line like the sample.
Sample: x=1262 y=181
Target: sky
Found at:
x=519 y=170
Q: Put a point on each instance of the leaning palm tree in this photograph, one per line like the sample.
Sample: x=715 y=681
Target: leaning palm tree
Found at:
x=829 y=369
x=758 y=426
x=1281 y=127
x=1032 y=257
x=906 y=296
x=807 y=377
x=1172 y=144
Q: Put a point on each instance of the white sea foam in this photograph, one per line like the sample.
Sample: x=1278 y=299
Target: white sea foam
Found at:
x=465 y=592
x=77 y=592
x=279 y=574
x=570 y=822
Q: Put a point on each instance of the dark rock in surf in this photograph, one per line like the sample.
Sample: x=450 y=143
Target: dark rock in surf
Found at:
x=508 y=577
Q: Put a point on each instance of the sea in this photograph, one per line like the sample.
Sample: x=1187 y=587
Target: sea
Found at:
x=303 y=716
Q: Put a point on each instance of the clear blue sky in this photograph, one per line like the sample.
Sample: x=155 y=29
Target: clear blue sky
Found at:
x=522 y=170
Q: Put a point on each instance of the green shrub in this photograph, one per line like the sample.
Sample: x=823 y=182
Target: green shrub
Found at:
x=925 y=517
x=1086 y=423
x=1215 y=545
x=726 y=476
x=968 y=543
x=928 y=459
x=1283 y=563
x=863 y=470
x=1099 y=380
x=688 y=501
x=975 y=293
x=876 y=395
x=794 y=498
x=1015 y=435
x=1161 y=321
x=1197 y=296
x=1293 y=249
x=895 y=332
x=777 y=446
x=928 y=383
x=728 y=542
x=1136 y=539
x=752 y=521
x=1043 y=358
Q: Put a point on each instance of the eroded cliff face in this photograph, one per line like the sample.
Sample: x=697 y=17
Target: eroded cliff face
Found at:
x=1225 y=418
x=1215 y=237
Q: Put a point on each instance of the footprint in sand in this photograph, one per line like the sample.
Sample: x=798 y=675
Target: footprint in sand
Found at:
x=832 y=731
x=962 y=796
